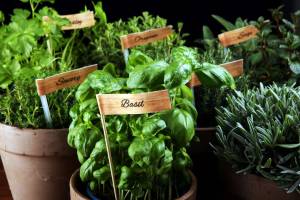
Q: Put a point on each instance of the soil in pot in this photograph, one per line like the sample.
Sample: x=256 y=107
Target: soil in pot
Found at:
x=38 y=162
x=252 y=187
x=78 y=190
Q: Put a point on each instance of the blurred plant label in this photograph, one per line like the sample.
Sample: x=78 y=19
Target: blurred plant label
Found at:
x=146 y=37
x=63 y=80
x=238 y=35
x=235 y=68
x=77 y=21
x=121 y=104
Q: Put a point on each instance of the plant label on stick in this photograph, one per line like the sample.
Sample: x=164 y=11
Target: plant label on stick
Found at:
x=146 y=37
x=142 y=38
x=77 y=21
x=235 y=68
x=121 y=104
x=60 y=81
x=63 y=80
x=238 y=35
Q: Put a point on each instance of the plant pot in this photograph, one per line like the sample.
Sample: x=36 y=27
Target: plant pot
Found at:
x=77 y=188
x=252 y=187
x=38 y=162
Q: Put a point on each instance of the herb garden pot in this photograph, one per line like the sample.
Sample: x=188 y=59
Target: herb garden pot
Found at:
x=77 y=189
x=252 y=187
x=38 y=162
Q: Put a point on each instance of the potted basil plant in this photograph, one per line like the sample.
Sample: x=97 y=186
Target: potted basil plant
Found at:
x=149 y=151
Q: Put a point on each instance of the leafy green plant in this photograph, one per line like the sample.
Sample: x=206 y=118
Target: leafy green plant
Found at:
x=33 y=49
x=258 y=132
x=104 y=38
x=273 y=55
x=149 y=151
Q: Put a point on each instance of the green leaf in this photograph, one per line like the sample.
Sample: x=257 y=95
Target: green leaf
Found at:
x=256 y=58
x=214 y=75
x=177 y=75
x=152 y=126
x=147 y=76
x=184 y=55
x=228 y=25
x=181 y=125
x=102 y=174
x=288 y=146
x=99 y=12
x=187 y=106
x=137 y=58
x=103 y=82
x=295 y=67
x=207 y=33
x=87 y=169
x=125 y=177
x=139 y=151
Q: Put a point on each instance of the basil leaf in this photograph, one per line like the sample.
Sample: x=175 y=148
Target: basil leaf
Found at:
x=147 y=76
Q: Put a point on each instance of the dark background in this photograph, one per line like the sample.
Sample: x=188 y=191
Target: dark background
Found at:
x=193 y=13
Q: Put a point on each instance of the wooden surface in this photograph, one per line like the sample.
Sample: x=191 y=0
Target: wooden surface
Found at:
x=63 y=80
x=238 y=35
x=142 y=38
x=4 y=188
x=235 y=68
x=120 y=104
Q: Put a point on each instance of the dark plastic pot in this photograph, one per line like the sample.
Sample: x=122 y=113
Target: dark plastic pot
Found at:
x=77 y=188
x=38 y=162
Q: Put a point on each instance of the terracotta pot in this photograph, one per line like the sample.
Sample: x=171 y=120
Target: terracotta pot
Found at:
x=76 y=187
x=38 y=162
x=252 y=187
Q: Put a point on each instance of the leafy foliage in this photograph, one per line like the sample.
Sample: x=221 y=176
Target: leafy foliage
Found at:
x=273 y=55
x=149 y=150
x=33 y=49
x=259 y=133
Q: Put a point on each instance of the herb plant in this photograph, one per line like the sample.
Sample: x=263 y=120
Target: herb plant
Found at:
x=149 y=151
x=104 y=38
x=33 y=49
x=258 y=132
x=274 y=54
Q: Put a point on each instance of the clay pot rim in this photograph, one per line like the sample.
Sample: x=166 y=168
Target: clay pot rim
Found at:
x=192 y=191
x=73 y=188
x=205 y=128
x=31 y=129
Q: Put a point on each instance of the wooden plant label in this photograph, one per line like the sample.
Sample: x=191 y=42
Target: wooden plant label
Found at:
x=238 y=35
x=78 y=21
x=121 y=104
x=235 y=68
x=63 y=80
x=146 y=37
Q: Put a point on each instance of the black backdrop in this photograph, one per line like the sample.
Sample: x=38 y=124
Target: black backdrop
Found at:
x=193 y=13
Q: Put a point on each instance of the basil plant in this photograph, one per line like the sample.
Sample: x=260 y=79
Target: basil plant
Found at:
x=149 y=151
